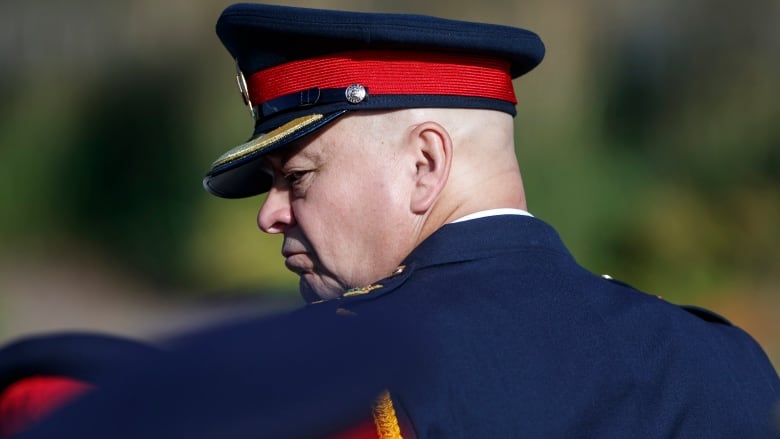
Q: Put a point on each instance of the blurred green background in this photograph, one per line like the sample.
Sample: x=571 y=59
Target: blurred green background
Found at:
x=649 y=136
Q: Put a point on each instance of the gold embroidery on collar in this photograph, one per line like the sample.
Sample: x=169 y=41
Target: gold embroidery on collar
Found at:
x=385 y=419
x=361 y=290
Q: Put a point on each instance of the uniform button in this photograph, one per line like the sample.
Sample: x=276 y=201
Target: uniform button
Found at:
x=355 y=93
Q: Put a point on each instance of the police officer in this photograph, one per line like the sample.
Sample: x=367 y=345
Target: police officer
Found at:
x=385 y=146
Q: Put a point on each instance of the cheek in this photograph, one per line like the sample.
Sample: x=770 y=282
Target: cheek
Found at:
x=379 y=215
x=328 y=217
x=373 y=198
x=353 y=213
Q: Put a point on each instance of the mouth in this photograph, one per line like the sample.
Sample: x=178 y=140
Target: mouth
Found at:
x=297 y=262
x=297 y=258
x=289 y=253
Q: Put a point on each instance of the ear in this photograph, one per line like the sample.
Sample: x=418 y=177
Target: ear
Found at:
x=433 y=151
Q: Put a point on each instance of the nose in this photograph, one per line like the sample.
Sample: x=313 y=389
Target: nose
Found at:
x=276 y=215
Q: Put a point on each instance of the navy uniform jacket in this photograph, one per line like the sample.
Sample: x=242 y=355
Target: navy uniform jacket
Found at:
x=491 y=330
x=526 y=343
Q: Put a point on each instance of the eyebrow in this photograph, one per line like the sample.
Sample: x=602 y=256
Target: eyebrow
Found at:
x=278 y=159
x=297 y=149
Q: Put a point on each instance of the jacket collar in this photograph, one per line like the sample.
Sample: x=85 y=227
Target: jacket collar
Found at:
x=483 y=237
x=460 y=242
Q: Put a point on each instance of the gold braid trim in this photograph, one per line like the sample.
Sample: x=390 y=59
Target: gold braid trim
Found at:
x=384 y=417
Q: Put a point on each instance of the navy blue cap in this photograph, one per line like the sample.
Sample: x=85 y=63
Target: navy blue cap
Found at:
x=300 y=69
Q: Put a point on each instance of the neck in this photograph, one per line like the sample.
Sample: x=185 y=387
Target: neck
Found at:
x=504 y=191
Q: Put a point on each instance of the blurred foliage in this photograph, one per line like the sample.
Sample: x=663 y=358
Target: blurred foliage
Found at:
x=649 y=137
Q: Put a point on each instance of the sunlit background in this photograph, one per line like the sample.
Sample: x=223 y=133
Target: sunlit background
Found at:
x=649 y=137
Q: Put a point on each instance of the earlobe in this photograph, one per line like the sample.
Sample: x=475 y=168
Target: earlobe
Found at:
x=433 y=151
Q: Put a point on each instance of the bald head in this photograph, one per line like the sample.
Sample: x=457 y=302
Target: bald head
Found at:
x=477 y=148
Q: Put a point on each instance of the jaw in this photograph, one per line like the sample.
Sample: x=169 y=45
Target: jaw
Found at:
x=307 y=292
x=314 y=287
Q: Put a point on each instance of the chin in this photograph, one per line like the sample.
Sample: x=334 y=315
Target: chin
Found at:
x=307 y=292
x=311 y=294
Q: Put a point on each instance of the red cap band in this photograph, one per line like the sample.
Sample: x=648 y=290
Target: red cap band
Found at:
x=389 y=73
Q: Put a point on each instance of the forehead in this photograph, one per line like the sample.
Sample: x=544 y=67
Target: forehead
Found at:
x=309 y=149
x=335 y=140
x=354 y=140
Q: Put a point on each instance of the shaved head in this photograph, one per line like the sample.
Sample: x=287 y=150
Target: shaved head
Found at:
x=483 y=172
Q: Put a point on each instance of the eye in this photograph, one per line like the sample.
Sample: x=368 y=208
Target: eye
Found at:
x=294 y=177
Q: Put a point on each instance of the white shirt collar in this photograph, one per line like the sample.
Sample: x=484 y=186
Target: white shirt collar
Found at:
x=491 y=212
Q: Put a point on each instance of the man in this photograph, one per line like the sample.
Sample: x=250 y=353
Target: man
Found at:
x=385 y=144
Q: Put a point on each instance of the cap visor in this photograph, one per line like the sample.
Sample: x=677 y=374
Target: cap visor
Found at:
x=239 y=174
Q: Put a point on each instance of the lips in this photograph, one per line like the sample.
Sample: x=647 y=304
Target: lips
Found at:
x=297 y=261
x=292 y=245
x=289 y=253
x=292 y=267
x=296 y=258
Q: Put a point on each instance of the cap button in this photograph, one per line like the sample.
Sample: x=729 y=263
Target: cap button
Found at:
x=355 y=93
